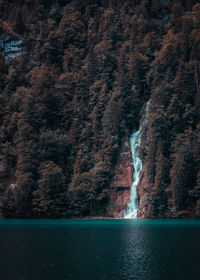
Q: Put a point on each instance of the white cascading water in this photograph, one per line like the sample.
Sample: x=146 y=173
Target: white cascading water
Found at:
x=135 y=141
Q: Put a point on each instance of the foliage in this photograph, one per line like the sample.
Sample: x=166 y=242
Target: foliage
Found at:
x=86 y=71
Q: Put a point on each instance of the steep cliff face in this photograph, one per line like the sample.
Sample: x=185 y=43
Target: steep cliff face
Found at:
x=75 y=76
x=121 y=183
x=144 y=209
x=164 y=191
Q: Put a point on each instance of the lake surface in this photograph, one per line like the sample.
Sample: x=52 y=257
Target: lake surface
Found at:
x=99 y=249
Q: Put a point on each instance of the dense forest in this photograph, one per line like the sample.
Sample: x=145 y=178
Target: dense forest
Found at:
x=75 y=78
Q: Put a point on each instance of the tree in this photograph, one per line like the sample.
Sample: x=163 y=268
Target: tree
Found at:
x=49 y=200
x=182 y=171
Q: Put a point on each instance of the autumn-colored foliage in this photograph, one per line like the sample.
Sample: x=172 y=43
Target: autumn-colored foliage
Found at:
x=86 y=71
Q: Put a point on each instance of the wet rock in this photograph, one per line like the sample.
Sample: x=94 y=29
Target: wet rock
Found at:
x=121 y=183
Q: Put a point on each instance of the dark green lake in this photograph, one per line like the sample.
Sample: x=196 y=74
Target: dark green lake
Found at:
x=99 y=249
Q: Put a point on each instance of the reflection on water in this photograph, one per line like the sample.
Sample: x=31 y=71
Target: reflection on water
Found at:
x=99 y=249
x=161 y=253
x=136 y=252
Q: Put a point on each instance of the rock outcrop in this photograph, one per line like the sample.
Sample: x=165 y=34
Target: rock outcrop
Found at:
x=121 y=183
x=143 y=210
x=11 y=47
x=85 y=71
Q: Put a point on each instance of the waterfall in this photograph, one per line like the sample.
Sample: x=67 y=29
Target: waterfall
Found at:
x=135 y=141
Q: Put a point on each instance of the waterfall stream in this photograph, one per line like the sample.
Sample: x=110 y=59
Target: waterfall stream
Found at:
x=135 y=141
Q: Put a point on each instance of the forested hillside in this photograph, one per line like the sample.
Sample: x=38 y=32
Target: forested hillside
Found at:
x=75 y=78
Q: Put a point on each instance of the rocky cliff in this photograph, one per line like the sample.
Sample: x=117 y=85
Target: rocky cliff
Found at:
x=75 y=78
x=121 y=182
